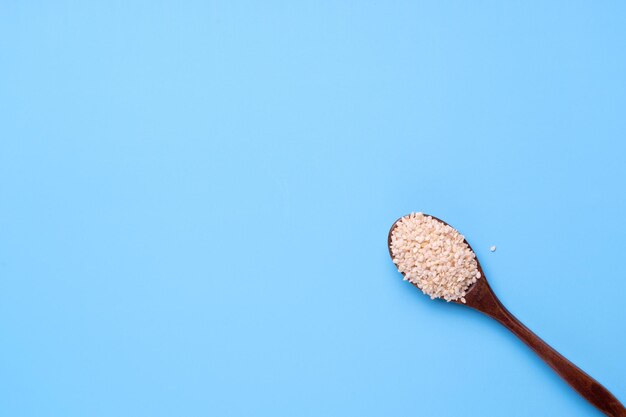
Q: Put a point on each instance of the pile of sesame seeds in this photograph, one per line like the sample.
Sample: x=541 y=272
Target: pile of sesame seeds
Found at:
x=433 y=256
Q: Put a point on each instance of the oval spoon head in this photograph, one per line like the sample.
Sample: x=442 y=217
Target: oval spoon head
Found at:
x=478 y=294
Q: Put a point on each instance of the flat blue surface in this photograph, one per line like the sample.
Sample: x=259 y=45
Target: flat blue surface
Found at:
x=195 y=199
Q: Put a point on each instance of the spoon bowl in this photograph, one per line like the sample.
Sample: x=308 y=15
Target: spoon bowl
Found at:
x=472 y=297
x=481 y=297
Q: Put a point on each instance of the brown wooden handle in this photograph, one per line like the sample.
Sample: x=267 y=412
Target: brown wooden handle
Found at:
x=585 y=385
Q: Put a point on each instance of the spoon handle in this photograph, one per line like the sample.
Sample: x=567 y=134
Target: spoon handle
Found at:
x=585 y=385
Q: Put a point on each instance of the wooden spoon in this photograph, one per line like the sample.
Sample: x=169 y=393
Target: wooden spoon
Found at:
x=481 y=297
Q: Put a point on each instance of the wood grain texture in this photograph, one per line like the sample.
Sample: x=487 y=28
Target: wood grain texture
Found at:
x=482 y=298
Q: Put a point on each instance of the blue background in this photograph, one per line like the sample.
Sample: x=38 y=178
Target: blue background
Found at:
x=195 y=199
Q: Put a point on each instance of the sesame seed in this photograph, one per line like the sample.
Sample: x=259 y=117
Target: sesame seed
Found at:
x=434 y=257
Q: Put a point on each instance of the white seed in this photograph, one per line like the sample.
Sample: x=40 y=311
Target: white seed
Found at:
x=434 y=257
x=493 y=248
